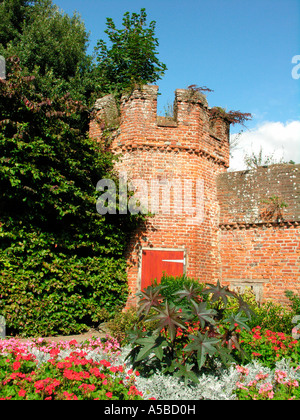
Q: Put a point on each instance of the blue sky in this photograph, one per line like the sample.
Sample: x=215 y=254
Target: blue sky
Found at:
x=242 y=50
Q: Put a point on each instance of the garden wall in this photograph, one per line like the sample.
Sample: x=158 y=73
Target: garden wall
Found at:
x=259 y=230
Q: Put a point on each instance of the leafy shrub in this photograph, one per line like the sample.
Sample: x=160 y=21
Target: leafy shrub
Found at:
x=124 y=321
x=173 y=284
x=248 y=297
x=268 y=315
x=186 y=340
x=47 y=293
x=121 y=323
x=272 y=316
x=295 y=301
x=268 y=347
x=61 y=262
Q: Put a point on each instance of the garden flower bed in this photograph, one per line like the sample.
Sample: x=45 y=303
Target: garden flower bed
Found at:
x=64 y=371
x=198 y=346
x=96 y=369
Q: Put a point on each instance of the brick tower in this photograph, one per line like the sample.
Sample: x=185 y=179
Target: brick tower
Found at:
x=173 y=163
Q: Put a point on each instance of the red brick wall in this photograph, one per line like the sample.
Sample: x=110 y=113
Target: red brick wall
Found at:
x=231 y=241
x=267 y=257
x=192 y=146
x=259 y=243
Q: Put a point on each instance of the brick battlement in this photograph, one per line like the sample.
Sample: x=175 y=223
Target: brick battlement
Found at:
x=193 y=128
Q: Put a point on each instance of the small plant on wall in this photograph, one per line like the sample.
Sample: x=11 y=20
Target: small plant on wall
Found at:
x=274 y=209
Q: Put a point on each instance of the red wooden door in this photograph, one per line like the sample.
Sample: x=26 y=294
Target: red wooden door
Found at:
x=157 y=262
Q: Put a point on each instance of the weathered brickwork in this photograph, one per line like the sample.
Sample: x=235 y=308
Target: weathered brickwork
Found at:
x=264 y=258
x=260 y=242
x=229 y=240
x=250 y=196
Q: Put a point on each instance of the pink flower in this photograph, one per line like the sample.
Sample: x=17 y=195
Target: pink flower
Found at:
x=261 y=376
x=241 y=386
x=87 y=387
x=95 y=371
x=279 y=376
x=70 y=396
x=133 y=391
x=54 y=352
x=293 y=383
x=252 y=383
x=242 y=370
x=16 y=365
x=60 y=365
x=265 y=388
x=109 y=394
x=105 y=363
x=22 y=393
x=39 y=386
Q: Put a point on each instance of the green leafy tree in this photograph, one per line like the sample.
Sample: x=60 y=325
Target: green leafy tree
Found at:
x=54 y=46
x=61 y=263
x=13 y=14
x=131 y=58
x=49 y=43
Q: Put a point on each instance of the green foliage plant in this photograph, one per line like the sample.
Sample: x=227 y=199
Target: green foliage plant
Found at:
x=172 y=285
x=61 y=262
x=186 y=339
x=130 y=59
x=121 y=323
x=294 y=300
x=54 y=46
x=272 y=316
x=268 y=346
x=274 y=209
x=49 y=43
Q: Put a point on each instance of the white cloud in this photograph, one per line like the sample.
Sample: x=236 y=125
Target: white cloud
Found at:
x=273 y=137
